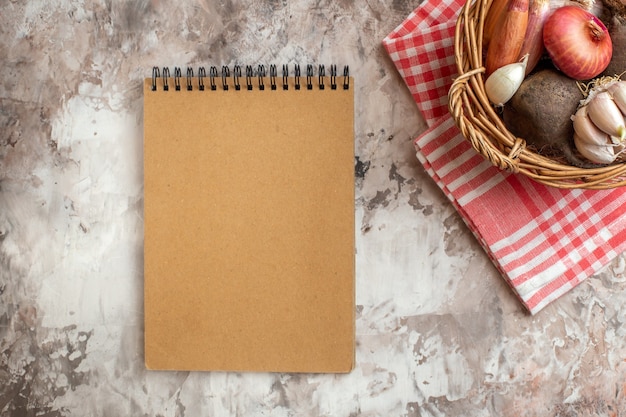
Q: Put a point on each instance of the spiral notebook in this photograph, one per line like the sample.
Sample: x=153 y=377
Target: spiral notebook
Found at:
x=249 y=219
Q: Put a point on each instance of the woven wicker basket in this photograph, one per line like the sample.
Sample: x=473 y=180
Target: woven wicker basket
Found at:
x=483 y=128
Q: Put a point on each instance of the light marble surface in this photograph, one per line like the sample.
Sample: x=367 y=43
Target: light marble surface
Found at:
x=438 y=331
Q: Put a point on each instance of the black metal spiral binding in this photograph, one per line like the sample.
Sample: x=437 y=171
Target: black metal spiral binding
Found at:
x=297 y=77
x=212 y=76
x=333 y=77
x=285 y=77
x=273 y=74
x=309 y=77
x=322 y=79
x=249 y=75
x=225 y=75
x=155 y=74
x=166 y=77
x=236 y=76
x=201 y=77
x=177 y=75
x=261 y=76
x=189 y=79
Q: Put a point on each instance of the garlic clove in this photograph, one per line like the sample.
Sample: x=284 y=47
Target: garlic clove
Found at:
x=502 y=84
x=595 y=153
x=605 y=114
x=620 y=153
x=586 y=130
x=618 y=92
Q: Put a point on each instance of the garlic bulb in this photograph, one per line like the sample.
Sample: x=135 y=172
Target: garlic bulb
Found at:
x=596 y=153
x=502 y=84
x=599 y=123
x=587 y=131
x=618 y=92
x=605 y=114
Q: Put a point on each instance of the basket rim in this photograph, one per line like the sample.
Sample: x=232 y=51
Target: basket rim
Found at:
x=480 y=124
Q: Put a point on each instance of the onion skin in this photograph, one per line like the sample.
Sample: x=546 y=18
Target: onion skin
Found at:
x=577 y=42
x=494 y=16
x=508 y=37
x=538 y=12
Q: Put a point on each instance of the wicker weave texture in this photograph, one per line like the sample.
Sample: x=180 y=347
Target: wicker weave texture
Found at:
x=481 y=125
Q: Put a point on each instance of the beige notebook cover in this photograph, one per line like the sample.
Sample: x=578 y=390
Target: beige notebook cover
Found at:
x=249 y=224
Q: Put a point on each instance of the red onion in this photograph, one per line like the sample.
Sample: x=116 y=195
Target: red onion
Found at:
x=577 y=42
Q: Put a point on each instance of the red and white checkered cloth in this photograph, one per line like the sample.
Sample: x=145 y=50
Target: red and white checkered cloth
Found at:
x=544 y=240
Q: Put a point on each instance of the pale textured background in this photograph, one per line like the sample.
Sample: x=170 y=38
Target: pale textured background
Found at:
x=438 y=331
